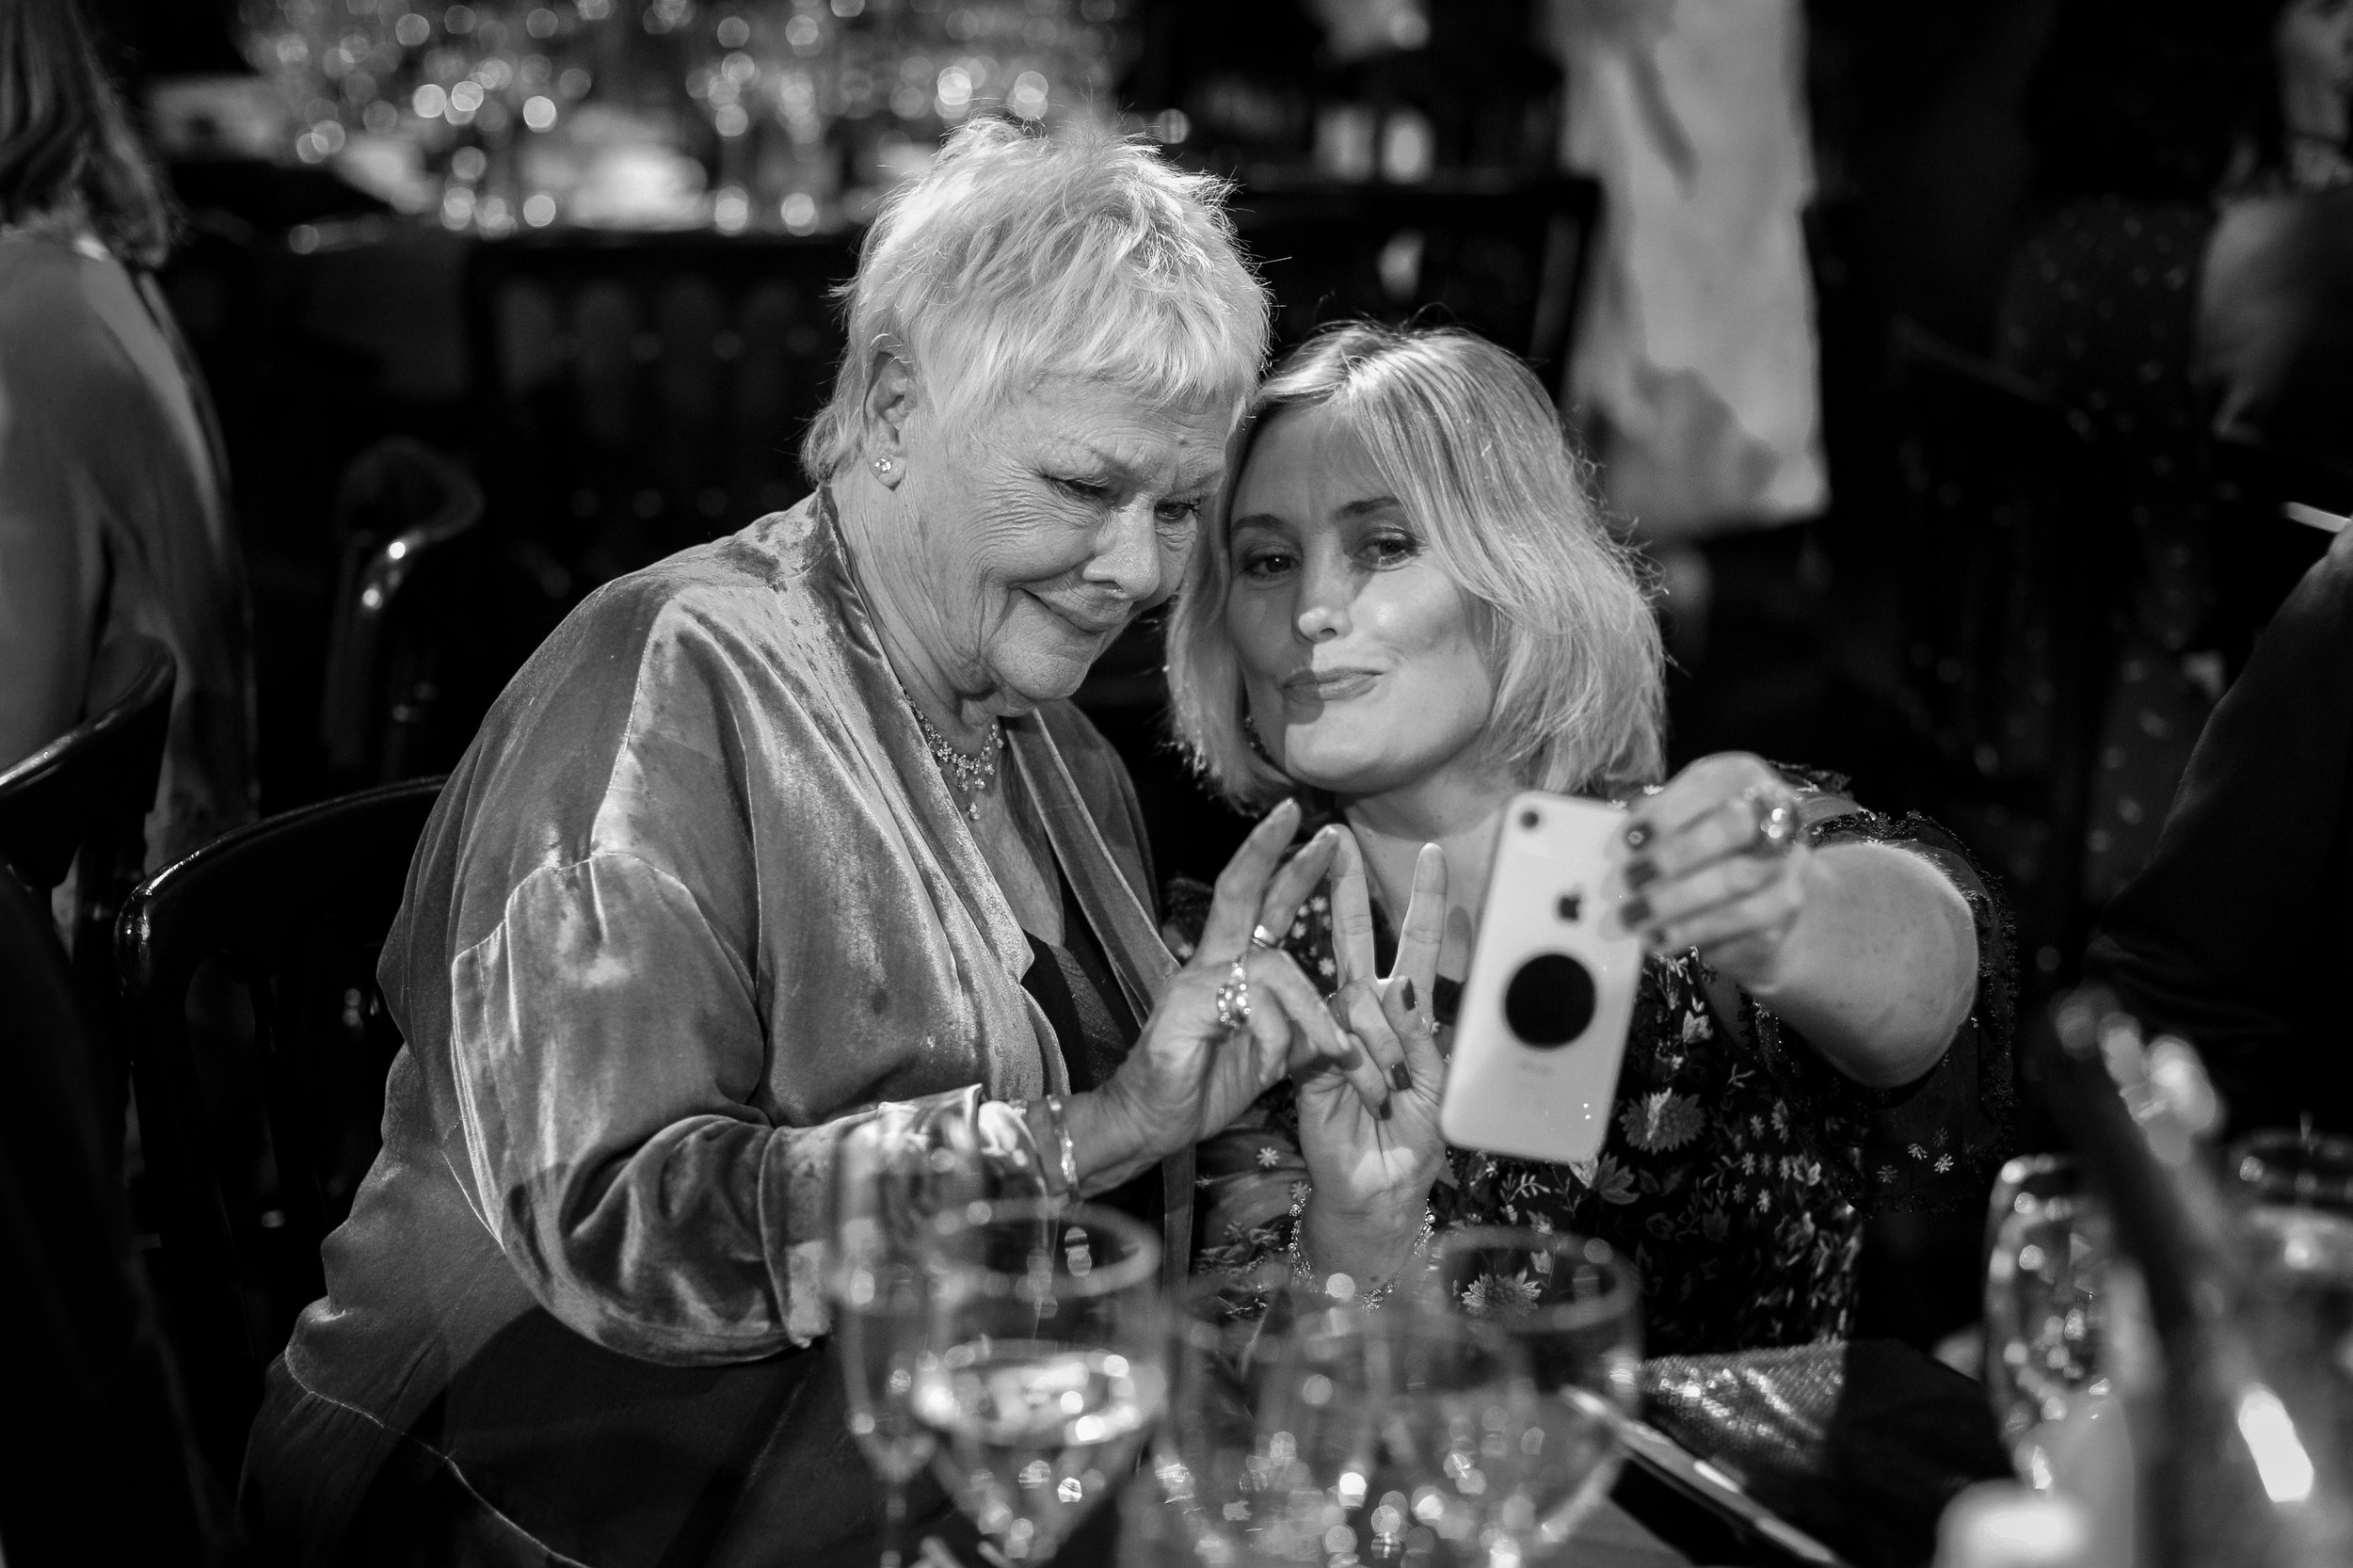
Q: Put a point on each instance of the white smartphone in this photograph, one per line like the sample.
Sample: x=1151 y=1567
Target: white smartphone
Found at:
x=1541 y=1027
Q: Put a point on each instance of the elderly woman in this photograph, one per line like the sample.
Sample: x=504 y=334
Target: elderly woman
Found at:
x=777 y=829
x=1407 y=609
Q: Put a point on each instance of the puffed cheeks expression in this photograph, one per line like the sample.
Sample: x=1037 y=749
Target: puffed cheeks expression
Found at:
x=1364 y=665
x=1047 y=521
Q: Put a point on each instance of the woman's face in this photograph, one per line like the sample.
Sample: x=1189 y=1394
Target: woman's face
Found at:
x=1035 y=530
x=1363 y=663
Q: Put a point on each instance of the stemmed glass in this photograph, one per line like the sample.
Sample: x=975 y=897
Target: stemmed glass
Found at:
x=2046 y=1305
x=877 y=1277
x=1046 y=1363
x=1573 y=1306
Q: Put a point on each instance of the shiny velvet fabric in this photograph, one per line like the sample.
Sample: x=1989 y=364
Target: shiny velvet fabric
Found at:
x=695 y=897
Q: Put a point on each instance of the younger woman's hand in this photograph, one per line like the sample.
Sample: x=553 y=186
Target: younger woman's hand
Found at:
x=1718 y=861
x=1372 y=1163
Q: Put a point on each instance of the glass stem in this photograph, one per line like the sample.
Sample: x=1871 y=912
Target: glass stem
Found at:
x=894 y=1522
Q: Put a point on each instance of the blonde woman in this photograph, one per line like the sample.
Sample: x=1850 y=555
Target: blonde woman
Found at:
x=1407 y=609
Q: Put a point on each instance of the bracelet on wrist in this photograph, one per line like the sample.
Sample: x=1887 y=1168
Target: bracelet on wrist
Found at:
x=1057 y=1160
x=1341 y=1286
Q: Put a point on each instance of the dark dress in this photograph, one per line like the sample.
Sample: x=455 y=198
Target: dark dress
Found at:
x=1739 y=1166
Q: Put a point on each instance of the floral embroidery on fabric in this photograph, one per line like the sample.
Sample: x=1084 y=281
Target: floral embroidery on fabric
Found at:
x=1737 y=1161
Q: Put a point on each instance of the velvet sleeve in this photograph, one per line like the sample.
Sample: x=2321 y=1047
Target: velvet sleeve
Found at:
x=606 y=1050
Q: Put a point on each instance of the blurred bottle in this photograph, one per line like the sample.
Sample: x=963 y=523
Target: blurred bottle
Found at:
x=2232 y=1419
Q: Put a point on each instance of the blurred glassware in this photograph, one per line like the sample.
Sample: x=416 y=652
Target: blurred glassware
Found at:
x=2044 y=1305
x=1575 y=1309
x=1046 y=1363
x=2295 y=1169
x=792 y=111
x=879 y=1287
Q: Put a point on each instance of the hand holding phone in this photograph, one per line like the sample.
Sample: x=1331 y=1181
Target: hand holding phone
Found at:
x=1542 y=1025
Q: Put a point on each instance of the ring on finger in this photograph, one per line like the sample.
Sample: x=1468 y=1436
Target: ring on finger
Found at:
x=1233 y=998
x=1261 y=937
x=1775 y=813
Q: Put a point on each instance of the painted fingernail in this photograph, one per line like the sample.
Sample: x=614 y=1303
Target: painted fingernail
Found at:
x=1634 y=911
x=1636 y=835
x=1640 y=873
x=1411 y=1005
x=1399 y=1076
x=1388 y=1104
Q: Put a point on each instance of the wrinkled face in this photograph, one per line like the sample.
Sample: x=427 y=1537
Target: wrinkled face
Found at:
x=1363 y=663
x=1034 y=531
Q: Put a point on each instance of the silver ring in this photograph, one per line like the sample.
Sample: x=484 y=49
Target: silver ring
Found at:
x=1261 y=937
x=1233 y=999
x=1776 y=813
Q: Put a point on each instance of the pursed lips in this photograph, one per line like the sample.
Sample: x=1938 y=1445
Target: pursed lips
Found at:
x=1329 y=685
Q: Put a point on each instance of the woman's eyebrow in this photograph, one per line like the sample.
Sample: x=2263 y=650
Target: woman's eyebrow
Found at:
x=1253 y=520
x=1366 y=507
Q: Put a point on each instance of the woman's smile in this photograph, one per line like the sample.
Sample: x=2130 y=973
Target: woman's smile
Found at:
x=1329 y=685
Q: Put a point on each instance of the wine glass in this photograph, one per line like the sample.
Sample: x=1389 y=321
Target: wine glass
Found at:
x=1045 y=1366
x=1572 y=1304
x=2299 y=1169
x=2045 y=1307
x=1400 y=1432
x=878 y=1281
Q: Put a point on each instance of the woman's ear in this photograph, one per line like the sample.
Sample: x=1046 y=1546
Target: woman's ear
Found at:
x=890 y=398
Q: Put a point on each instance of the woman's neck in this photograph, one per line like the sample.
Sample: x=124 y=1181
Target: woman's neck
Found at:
x=861 y=509
x=1457 y=810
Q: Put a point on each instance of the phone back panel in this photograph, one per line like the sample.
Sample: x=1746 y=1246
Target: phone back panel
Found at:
x=1542 y=1025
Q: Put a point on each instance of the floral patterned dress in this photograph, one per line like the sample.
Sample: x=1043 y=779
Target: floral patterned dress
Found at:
x=1739 y=1165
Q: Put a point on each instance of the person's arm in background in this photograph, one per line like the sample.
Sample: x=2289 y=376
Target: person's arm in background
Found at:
x=2234 y=934
x=52 y=576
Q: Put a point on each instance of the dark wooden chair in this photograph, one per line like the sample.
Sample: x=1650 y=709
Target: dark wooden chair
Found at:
x=406 y=515
x=292 y=911
x=86 y=1375
x=82 y=801
x=2010 y=591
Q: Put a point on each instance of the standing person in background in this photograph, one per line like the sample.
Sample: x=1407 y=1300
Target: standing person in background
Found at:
x=113 y=512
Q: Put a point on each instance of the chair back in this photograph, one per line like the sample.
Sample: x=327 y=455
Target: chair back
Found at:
x=291 y=912
x=2010 y=579
x=84 y=799
x=406 y=514
x=86 y=1376
x=645 y=394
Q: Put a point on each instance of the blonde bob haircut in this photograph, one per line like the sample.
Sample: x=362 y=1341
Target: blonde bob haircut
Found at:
x=1464 y=436
x=1024 y=253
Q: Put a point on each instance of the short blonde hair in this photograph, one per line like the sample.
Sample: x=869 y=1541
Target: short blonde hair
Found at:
x=1465 y=436
x=1023 y=253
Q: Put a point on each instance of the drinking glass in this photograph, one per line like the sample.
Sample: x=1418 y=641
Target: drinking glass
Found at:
x=2046 y=1305
x=1047 y=1363
x=1573 y=1306
x=1401 y=1431
x=878 y=1279
x=2298 y=1169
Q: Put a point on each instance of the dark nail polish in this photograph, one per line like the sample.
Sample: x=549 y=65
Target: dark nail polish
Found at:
x=1411 y=1005
x=1640 y=873
x=1388 y=1103
x=1634 y=911
x=1636 y=835
x=1399 y=1076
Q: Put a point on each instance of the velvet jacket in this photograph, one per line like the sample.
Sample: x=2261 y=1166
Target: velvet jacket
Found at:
x=695 y=897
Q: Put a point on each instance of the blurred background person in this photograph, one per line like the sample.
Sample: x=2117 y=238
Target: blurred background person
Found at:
x=113 y=518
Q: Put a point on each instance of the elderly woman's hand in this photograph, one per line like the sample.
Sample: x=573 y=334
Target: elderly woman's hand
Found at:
x=1717 y=861
x=1230 y=1023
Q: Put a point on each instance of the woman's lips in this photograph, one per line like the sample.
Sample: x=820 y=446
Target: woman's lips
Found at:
x=1329 y=685
x=1085 y=623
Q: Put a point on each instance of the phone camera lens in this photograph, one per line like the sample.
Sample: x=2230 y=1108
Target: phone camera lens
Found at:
x=1549 y=1002
x=1530 y=819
